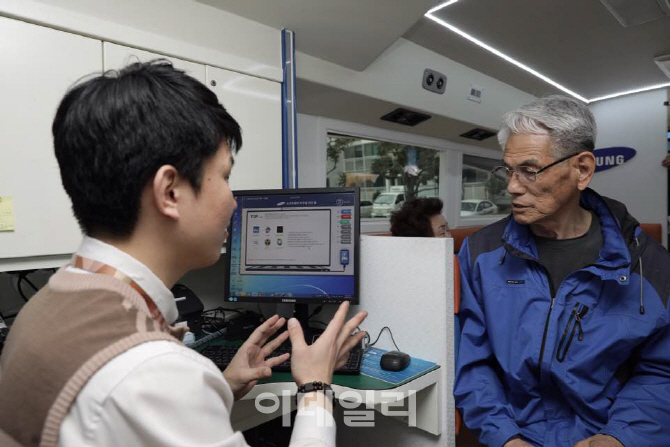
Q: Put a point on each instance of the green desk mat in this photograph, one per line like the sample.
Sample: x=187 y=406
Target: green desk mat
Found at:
x=355 y=381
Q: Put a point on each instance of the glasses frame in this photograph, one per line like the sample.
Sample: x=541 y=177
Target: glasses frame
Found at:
x=509 y=172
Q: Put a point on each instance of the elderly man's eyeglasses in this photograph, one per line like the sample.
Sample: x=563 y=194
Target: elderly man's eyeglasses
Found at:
x=526 y=174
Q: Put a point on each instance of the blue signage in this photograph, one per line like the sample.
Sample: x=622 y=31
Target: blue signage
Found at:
x=609 y=157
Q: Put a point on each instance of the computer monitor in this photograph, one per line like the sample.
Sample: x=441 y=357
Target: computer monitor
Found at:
x=294 y=246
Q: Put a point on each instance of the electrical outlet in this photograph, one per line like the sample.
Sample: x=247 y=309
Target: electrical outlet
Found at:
x=434 y=81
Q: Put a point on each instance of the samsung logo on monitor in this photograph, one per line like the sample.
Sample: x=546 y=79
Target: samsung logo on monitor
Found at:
x=287 y=300
x=609 y=157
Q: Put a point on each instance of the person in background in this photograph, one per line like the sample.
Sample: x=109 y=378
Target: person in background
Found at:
x=420 y=218
x=564 y=304
x=145 y=155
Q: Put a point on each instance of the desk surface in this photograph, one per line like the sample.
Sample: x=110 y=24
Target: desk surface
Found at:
x=371 y=381
x=370 y=391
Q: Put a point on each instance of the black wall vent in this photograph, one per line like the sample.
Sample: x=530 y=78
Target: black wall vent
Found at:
x=406 y=117
x=478 y=134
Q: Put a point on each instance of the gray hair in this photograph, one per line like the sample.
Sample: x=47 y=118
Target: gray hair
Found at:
x=568 y=122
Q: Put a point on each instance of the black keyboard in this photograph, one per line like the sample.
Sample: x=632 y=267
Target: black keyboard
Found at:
x=222 y=355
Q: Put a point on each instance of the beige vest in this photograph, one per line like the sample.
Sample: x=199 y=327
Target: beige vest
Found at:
x=62 y=336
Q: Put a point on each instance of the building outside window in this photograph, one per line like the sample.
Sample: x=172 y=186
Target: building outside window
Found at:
x=388 y=174
x=482 y=193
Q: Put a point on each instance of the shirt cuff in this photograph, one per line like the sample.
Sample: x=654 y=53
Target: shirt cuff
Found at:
x=314 y=425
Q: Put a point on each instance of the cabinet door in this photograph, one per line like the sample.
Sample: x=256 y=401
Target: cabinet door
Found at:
x=118 y=56
x=253 y=102
x=37 y=66
x=256 y=104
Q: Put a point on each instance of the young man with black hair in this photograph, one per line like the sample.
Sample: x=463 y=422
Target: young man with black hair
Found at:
x=145 y=155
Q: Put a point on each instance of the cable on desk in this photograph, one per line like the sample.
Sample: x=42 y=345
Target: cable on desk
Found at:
x=215 y=319
x=367 y=337
x=22 y=275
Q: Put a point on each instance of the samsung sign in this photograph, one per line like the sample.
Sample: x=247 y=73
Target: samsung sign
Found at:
x=609 y=157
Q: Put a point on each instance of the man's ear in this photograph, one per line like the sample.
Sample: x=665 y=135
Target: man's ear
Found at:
x=586 y=163
x=166 y=191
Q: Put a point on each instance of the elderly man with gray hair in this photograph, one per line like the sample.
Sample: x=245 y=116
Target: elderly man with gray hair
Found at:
x=565 y=325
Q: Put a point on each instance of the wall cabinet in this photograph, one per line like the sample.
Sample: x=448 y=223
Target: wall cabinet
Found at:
x=37 y=66
x=254 y=102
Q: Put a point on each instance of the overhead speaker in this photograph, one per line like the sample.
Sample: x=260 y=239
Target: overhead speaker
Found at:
x=405 y=117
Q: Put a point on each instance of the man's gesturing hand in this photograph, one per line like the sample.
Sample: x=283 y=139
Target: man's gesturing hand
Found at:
x=249 y=364
x=316 y=362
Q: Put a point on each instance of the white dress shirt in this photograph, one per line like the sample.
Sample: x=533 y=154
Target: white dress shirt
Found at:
x=160 y=393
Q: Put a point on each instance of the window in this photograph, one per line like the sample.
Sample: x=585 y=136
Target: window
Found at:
x=387 y=173
x=483 y=194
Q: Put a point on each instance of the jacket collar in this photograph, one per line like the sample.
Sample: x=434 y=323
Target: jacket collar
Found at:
x=619 y=229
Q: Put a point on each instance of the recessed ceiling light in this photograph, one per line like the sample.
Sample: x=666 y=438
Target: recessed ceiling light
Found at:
x=443 y=5
x=630 y=92
x=524 y=67
x=502 y=55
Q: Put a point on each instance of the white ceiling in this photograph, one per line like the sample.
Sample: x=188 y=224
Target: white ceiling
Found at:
x=351 y=33
x=577 y=43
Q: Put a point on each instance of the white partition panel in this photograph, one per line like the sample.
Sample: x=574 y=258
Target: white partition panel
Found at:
x=407 y=284
x=37 y=66
x=256 y=104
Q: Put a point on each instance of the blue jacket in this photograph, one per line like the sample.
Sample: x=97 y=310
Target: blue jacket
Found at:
x=594 y=359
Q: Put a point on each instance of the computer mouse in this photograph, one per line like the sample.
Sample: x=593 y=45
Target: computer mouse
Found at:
x=395 y=361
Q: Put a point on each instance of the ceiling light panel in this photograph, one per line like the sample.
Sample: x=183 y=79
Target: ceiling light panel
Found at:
x=504 y=56
x=664 y=5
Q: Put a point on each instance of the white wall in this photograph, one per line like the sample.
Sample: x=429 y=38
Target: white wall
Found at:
x=396 y=77
x=639 y=121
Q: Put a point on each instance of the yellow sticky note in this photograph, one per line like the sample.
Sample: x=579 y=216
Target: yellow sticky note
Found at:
x=6 y=214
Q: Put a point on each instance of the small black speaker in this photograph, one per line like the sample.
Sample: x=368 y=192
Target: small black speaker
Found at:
x=189 y=306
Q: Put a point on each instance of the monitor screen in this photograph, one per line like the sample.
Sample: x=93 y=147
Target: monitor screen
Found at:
x=294 y=246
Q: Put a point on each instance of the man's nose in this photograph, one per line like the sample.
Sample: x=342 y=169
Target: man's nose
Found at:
x=514 y=186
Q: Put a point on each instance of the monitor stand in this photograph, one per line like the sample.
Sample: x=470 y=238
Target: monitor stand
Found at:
x=301 y=313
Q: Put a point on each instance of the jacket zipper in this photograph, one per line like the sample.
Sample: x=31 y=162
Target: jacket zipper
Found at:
x=546 y=324
x=578 y=312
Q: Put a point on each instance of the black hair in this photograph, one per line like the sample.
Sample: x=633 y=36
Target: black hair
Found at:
x=413 y=219
x=114 y=131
